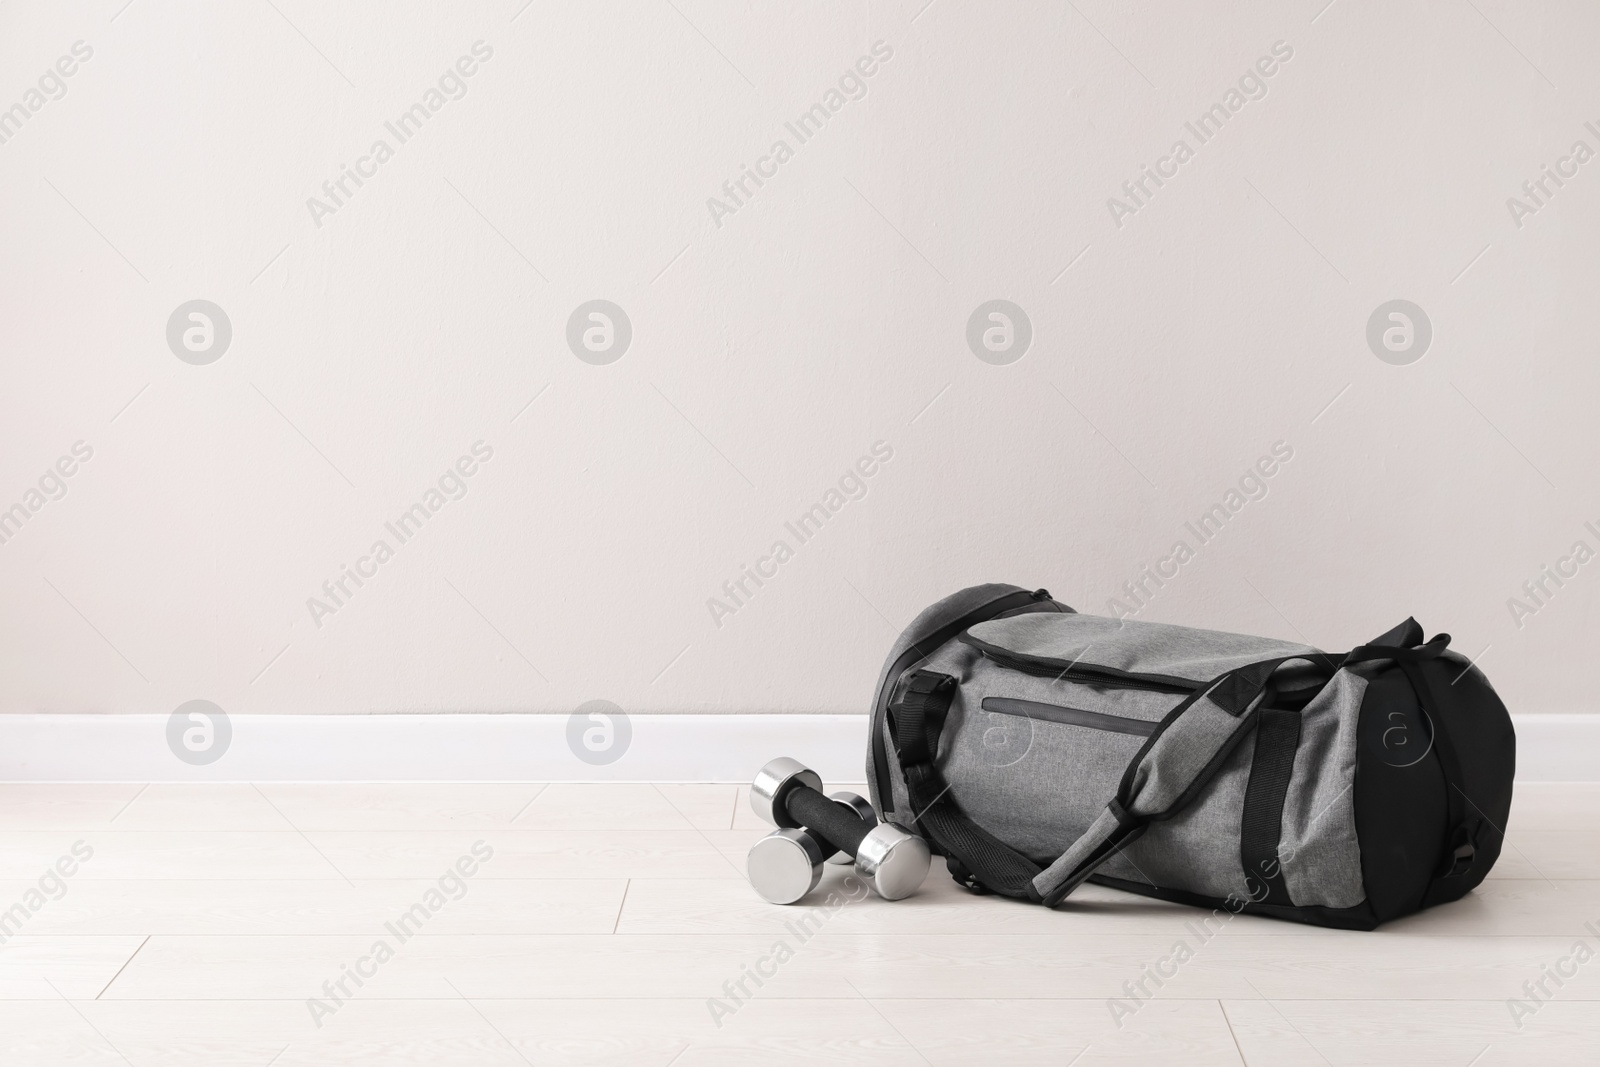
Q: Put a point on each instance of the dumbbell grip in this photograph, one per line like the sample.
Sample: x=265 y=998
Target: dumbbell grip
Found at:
x=828 y=820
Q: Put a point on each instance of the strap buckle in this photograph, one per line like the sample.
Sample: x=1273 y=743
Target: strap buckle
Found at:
x=964 y=877
x=1463 y=855
x=922 y=683
x=1125 y=818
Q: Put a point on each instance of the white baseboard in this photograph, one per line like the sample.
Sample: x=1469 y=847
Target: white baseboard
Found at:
x=499 y=748
x=433 y=748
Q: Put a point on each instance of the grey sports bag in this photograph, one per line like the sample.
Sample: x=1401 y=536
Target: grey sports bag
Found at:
x=1036 y=748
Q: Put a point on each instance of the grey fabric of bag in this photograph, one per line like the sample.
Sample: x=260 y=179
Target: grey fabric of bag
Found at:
x=1037 y=748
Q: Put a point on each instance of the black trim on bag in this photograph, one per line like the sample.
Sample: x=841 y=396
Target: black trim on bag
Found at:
x=916 y=719
x=1261 y=827
x=1357 y=917
x=922 y=650
x=1066 y=716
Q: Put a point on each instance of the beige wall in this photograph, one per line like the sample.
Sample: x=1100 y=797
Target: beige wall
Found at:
x=779 y=334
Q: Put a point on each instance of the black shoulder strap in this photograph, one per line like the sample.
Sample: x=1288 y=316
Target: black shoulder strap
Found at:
x=1180 y=759
x=916 y=719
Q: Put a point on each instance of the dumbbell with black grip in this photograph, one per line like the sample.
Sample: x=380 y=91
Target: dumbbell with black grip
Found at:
x=787 y=864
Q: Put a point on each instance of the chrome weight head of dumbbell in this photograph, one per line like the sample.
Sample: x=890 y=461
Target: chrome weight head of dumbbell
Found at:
x=772 y=782
x=785 y=865
x=862 y=807
x=893 y=861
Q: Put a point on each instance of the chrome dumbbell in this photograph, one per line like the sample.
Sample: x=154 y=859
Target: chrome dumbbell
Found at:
x=863 y=808
x=776 y=776
x=787 y=864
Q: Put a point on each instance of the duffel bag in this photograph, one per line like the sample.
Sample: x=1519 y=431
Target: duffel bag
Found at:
x=1036 y=748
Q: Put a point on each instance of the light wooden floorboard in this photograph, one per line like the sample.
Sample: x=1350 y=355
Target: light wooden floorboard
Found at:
x=1274 y=1033
x=612 y=925
x=1344 y=966
x=53 y=967
x=500 y=1033
x=324 y=907
x=711 y=905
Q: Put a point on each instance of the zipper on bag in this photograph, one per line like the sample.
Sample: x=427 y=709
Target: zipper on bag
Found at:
x=921 y=651
x=1070 y=716
x=1083 y=674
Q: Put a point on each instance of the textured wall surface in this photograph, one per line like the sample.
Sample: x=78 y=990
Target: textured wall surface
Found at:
x=551 y=321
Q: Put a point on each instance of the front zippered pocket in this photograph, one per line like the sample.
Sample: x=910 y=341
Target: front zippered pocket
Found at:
x=920 y=651
x=1081 y=673
x=1069 y=716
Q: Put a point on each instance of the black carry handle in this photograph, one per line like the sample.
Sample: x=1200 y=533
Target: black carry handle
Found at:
x=1433 y=649
x=1459 y=849
x=828 y=820
x=976 y=857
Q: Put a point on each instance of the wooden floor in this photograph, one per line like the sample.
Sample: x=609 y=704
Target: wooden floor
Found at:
x=606 y=920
